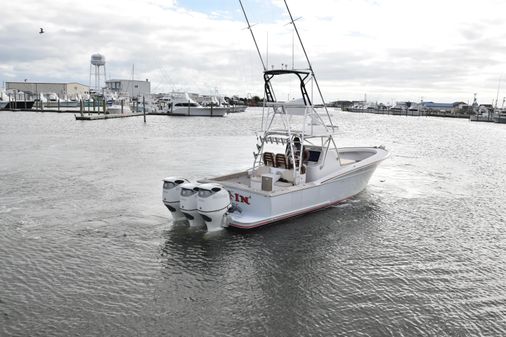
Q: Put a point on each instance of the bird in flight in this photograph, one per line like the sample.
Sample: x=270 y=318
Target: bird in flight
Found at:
x=41 y=31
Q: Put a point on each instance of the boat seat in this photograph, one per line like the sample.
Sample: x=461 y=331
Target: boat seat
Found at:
x=282 y=161
x=268 y=158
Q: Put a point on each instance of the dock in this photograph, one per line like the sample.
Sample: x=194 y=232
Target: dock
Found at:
x=105 y=116
x=492 y=118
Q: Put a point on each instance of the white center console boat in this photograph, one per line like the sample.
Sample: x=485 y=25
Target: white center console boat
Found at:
x=297 y=168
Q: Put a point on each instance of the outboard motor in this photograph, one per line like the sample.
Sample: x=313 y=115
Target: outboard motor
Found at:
x=171 y=192
x=213 y=203
x=188 y=203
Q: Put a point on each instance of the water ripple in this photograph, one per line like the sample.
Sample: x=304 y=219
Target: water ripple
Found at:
x=88 y=249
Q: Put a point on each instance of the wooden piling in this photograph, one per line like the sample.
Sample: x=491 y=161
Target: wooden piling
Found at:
x=81 y=107
x=144 y=108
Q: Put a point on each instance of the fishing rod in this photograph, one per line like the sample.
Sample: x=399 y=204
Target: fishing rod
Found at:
x=292 y=21
x=253 y=36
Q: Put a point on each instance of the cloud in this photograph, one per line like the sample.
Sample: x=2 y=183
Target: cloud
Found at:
x=390 y=49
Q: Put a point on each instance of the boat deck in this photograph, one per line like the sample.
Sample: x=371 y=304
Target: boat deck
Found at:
x=283 y=179
x=243 y=181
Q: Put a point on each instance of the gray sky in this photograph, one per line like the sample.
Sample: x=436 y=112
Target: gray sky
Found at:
x=441 y=50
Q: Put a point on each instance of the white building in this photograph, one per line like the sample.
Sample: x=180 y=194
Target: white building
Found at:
x=61 y=89
x=133 y=88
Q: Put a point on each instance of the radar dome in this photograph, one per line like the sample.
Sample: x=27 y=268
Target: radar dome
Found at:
x=97 y=59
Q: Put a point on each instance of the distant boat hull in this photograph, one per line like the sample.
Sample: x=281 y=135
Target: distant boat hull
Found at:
x=118 y=109
x=481 y=118
x=62 y=104
x=18 y=105
x=500 y=118
x=198 y=111
x=236 y=108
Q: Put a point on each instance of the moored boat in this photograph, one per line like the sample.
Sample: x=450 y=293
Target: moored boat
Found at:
x=182 y=105
x=15 y=100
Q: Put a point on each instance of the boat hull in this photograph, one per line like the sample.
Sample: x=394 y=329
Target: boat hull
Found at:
x=252 y=206
x=259 y=210
x=198 y=111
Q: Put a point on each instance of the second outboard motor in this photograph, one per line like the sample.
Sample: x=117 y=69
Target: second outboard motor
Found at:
x=171 y=192
x=213 y=204
x=188 y=204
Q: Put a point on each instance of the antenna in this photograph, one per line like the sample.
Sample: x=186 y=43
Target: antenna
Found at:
x=253 y=36
x=267 y=52
x=293 y=49
x=498 y=87
x=308 y=62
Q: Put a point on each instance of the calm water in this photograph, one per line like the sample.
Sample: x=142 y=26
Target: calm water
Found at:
x=88 y=249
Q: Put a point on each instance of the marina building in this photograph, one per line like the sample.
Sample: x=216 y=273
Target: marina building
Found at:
x=61 y=89
x=133 y=88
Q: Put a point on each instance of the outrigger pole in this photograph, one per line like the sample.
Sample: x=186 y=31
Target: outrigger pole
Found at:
x=253 y=36
x=292 y=21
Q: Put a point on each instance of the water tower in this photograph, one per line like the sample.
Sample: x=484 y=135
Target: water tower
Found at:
x=97 y=62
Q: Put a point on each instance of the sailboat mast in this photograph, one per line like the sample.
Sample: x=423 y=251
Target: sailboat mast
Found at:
x=308 y=62
x=132 y=87
x=253 y=35
x=498 y=88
